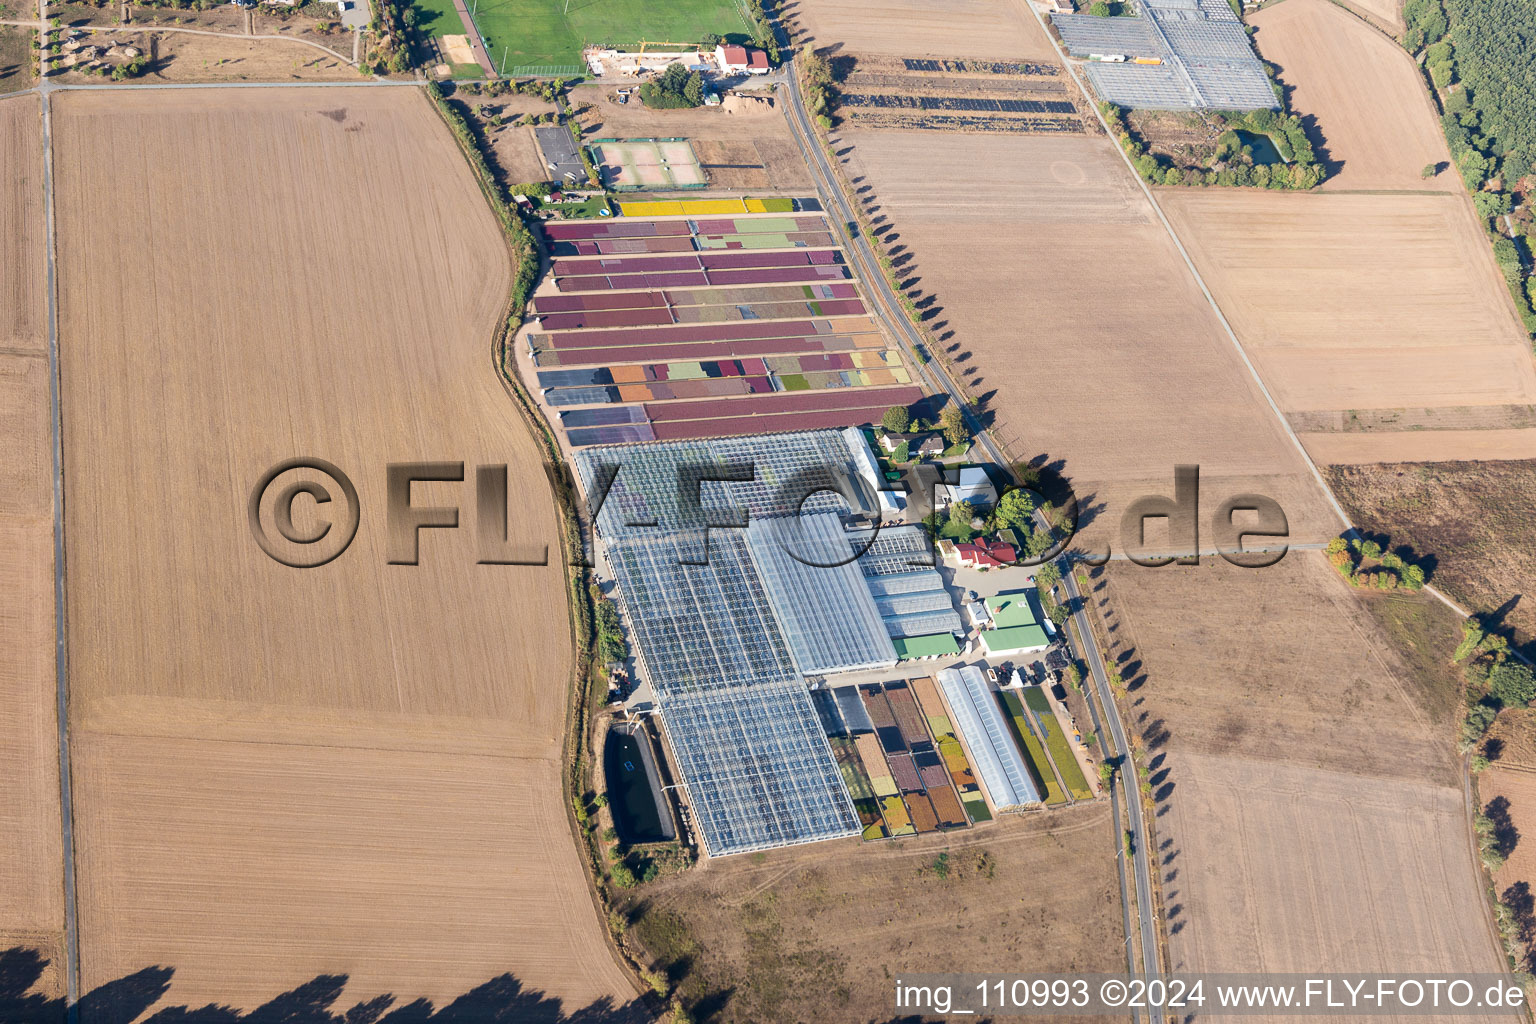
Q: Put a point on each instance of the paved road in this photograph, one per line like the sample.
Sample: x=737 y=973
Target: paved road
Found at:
x=1088 y=650
x=890 y=310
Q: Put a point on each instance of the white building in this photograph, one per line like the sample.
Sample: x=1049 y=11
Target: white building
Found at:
x=891 y=502
x=974 y=486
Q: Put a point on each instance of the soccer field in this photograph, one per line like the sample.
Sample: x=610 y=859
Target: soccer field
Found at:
x=541 y=36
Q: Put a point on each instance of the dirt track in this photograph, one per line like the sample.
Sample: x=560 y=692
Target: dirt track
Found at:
x=281 y=772
x=31 y=862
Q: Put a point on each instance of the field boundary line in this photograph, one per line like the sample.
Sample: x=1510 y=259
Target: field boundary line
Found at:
x=60 y=592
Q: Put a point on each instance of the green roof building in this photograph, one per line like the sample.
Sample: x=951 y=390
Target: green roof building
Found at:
x=1016 y=629
x=931 y=645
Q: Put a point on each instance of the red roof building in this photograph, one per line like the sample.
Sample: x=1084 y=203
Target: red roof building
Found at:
x=985 y=554
x=757 y=63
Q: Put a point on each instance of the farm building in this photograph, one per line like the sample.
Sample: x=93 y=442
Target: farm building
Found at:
x=985 y=554
x=972 y=485
x=1183 y=55
x=735 y=710
x=817 y=593
x=891 y=501
x=1015 y=629
x=741 y=60
x=919 y=446
x=982 y=727
x=919 y=648
x=898 y=569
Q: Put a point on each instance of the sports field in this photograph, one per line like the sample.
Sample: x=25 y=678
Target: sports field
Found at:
x=547 y=35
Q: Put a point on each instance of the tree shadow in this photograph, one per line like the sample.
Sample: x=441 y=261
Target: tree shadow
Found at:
x=1505 y=835
x=502 y=1000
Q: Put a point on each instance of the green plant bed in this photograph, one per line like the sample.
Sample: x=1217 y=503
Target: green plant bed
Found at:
x=977 y=809
x=1061 y=753
x=1034 y=754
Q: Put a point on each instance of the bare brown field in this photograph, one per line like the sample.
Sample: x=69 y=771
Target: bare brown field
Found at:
x=1404 y=305
x=1378 y=126
x=23 y=304
x=187 y=57
x=1473 y=518
x=1299 y=733
x=1059 y=270
x=1439 y=446
x=1291 y=867
x=980 y=29
x=819 y=933
x=1386 y=14
x=31 y=858
x=755 y=135
x=1515 y=733
x=280 y=772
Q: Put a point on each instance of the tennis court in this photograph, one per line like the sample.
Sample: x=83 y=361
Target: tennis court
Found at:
x=647 y=163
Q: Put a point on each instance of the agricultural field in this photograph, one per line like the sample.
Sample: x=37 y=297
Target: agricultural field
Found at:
x=15 y=58
x=1375 y=126
x=956 y=95
x=816 y=933
x=1388 y=14
x=743 y=144
x=31 y=861
x=977 y=29
x=1280 y=702
x=759 y=314
x=283 y=773
x=1471 y=518
x=1407 y=330
x=550 y=34
x=1062 y=236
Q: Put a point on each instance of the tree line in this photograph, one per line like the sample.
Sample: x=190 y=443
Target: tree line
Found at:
x=1478 y=55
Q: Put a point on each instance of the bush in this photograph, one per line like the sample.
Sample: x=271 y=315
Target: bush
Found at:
x=1512 y=684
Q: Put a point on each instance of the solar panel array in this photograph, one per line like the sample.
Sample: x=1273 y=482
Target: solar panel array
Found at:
x=1207 y=60
x=738 y=716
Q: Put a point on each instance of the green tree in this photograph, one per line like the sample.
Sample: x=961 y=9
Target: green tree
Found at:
x=623 y=877
x=1413 y=577
x=896 y=419
x=693 y=89
x=1512 y=684
x=818 y=70
x=902 y=453
x=1015 y=508
x=952 y=423
x=961 y=513
x=1047 y=576
x=1099 y=9
x=1370 y=549
x=710 y=41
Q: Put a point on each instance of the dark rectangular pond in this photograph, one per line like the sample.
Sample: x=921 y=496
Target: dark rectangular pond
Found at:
x=634 y=789
x=1261 y=146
